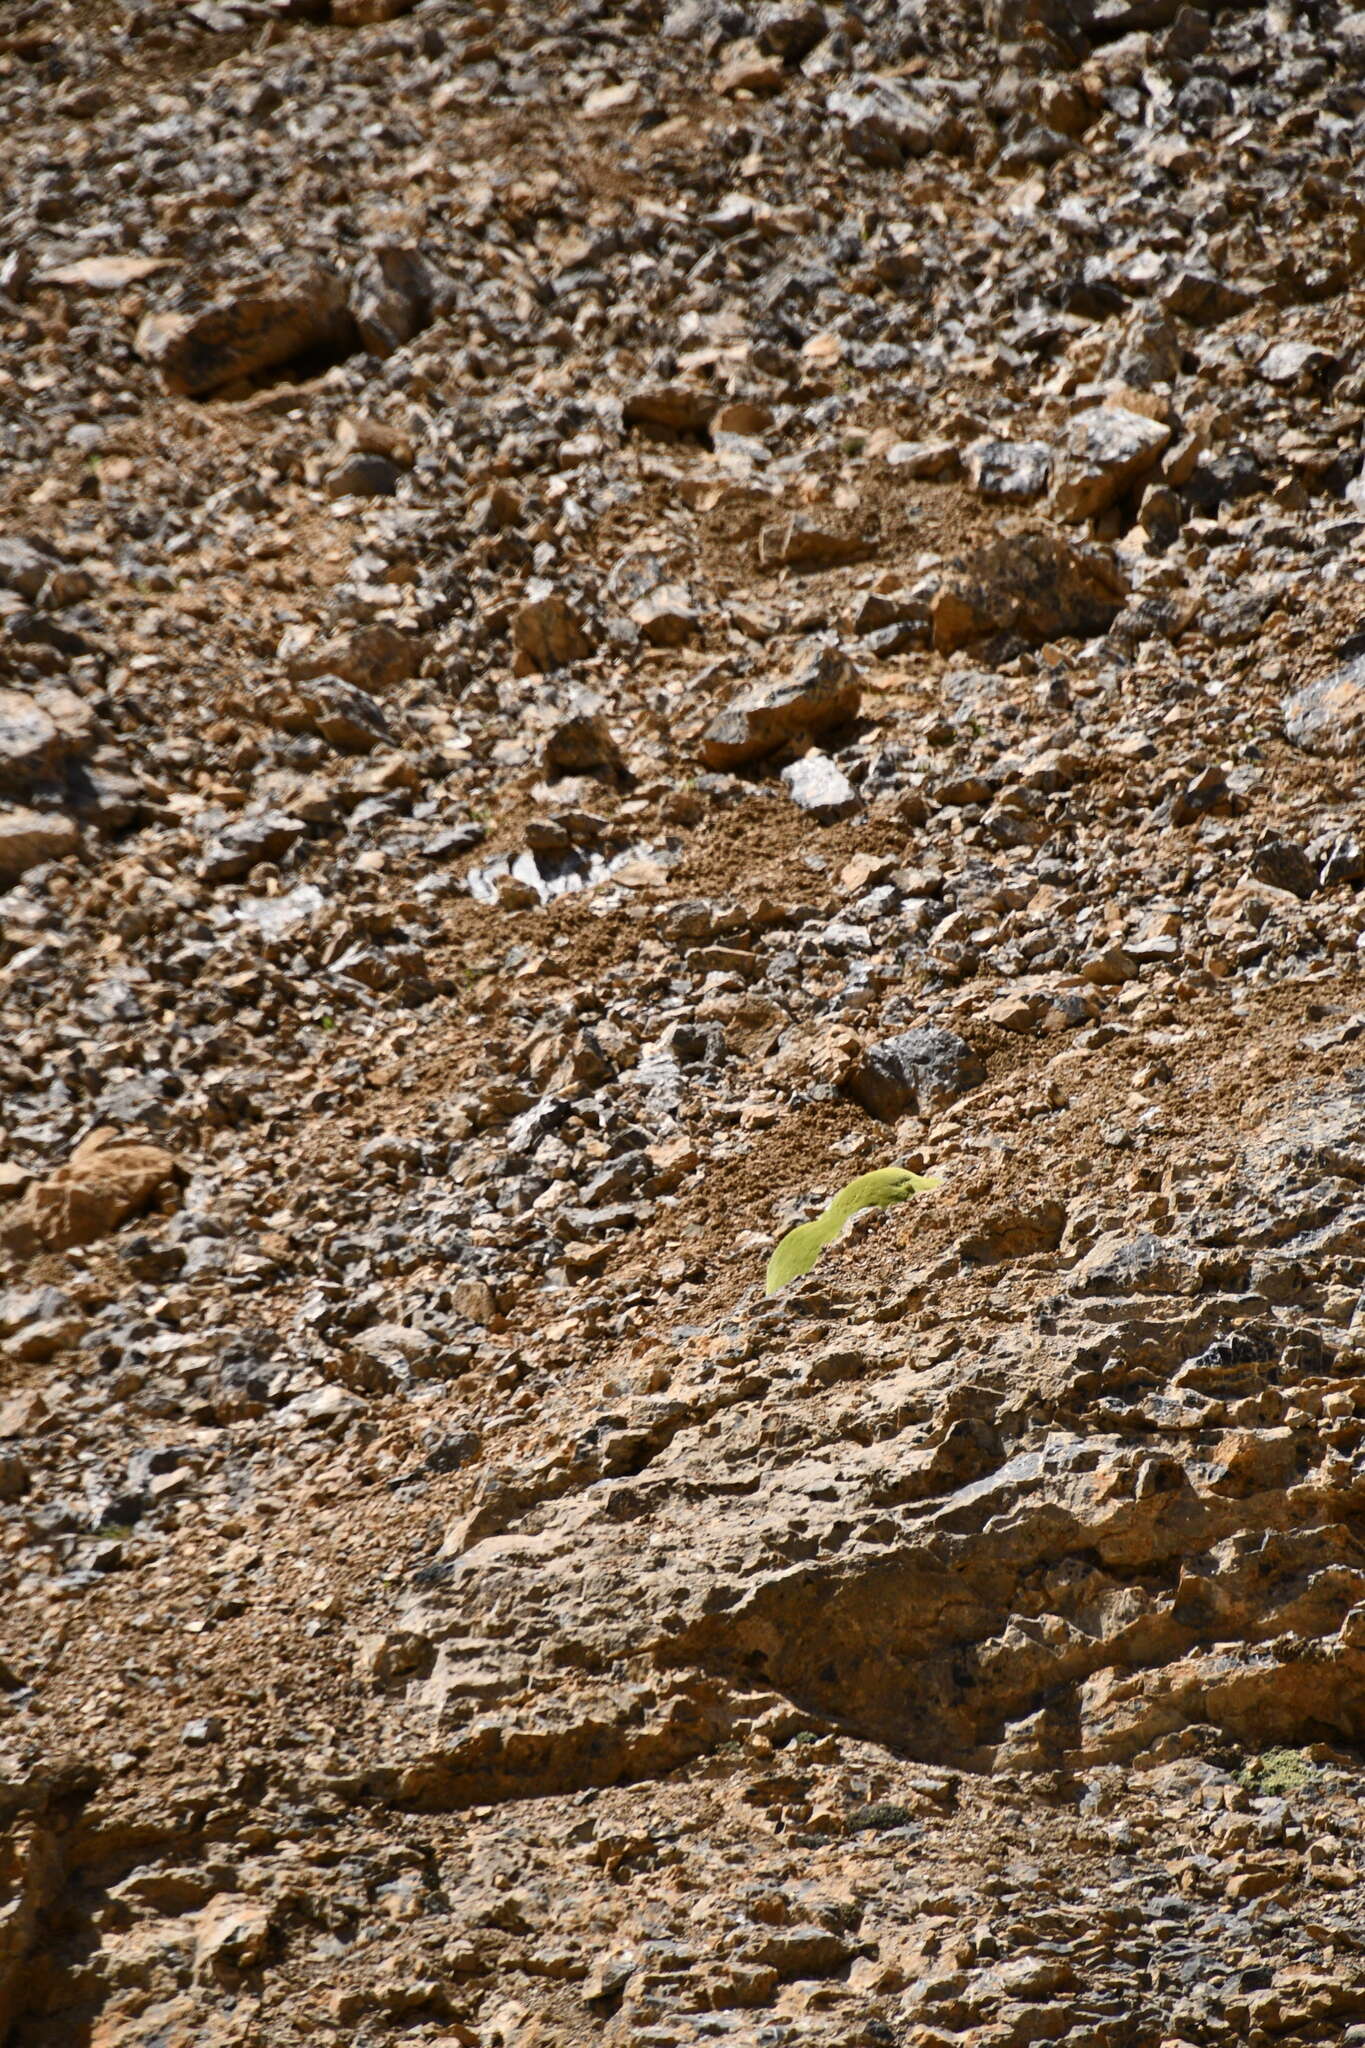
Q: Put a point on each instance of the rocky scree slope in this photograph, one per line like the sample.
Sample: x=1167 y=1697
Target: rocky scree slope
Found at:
x=608 y=616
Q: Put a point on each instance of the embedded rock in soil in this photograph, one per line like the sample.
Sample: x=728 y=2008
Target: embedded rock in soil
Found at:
x=924 y=1070
x=106 y=1179
x=822 y=694
x=1032 y=582
x=258 y=325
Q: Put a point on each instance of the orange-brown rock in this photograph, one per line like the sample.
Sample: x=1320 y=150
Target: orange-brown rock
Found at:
x=106 y=1180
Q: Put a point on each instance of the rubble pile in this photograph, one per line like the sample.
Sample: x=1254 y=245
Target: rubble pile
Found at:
x=610 y=615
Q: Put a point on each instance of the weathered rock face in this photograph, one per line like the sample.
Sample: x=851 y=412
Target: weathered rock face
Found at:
x=1328 y=716
x=821 y=694
x=968 y=1579
x=439 y=814
x=258 y=326
x=1032 y=583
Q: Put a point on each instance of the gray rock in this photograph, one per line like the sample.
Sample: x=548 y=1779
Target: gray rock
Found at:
x=1013 y=471
x=815 y=784
x=1328 y=716
x=248 y=841
x=923 y=1070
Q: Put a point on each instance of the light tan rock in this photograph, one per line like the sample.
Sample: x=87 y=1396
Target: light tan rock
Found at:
x=28 y=838
x=106 y=1180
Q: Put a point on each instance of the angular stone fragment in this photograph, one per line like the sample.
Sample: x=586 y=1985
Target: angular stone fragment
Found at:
x=391 y=295
x=257 y=326
x=23 y=567
x=246 y=842
x=106 y=1179
x=1290 y=363
x=1284 y=865
x=1106 y=450
x=1202 y=298
x=669 y=410
x=582 y=744
x=374 y=657
x=885 y=121
x=924 y=1070
x=1033 y=583
x=815 y=784
x=924 y=458
x=32 y=747
x=790 y=29
x=1015 y=471
x=344 y=715
x=749 y=71
x=362 y=475
x=1328 y=716
x=667 y=617
x=28 y=838
x=1109 y=967
x=547 y=630
x=822 y=694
